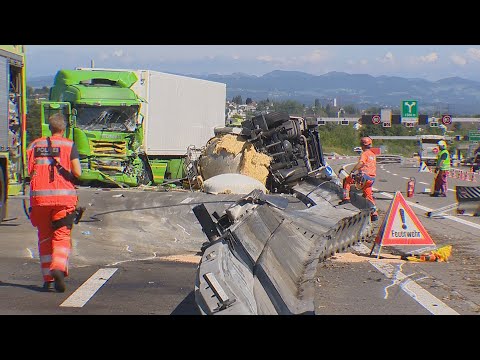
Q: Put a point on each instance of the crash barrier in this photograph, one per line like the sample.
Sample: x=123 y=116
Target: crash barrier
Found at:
x=337 y=157
x=410 y=162
x=262 y=257
x=468 y=203
x=389 y=159
x=468 y=200
x=465 y=175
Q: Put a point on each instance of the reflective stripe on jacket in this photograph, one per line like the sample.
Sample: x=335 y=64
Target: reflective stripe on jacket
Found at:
x=43 y=191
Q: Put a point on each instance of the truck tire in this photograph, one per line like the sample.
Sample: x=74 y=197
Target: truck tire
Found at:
x=3 y=196
x=272 y=119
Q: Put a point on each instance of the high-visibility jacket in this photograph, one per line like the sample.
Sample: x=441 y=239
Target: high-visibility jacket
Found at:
x=44 y=191
x=369 y=160
x=446 y=163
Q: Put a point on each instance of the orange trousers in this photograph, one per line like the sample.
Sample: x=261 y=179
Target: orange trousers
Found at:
x=367 y=191
x=54 y=246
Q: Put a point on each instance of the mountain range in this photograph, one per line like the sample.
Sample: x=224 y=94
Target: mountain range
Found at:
x=453 y=95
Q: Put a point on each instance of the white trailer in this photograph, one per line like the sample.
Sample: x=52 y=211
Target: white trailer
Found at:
x=178 y=111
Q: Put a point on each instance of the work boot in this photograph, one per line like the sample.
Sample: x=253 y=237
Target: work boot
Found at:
x=344 y=201
x=47 y=286
x=374 y=218
x=59 y=277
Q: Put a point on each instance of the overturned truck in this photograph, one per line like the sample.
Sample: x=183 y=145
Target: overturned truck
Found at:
x=262 y=253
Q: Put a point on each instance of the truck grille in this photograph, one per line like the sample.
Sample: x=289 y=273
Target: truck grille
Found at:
x=102 y=147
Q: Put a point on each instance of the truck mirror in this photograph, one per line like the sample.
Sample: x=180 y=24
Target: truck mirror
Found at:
x=140 y=119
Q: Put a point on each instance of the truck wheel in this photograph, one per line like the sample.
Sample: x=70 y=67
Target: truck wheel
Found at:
x=3 y=196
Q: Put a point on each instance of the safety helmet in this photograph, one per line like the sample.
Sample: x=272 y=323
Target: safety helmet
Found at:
x=442 y=143
x=365 y=141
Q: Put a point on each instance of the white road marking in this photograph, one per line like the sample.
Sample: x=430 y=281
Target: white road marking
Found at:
x=403 y=177
x=424 y=183
x=395 y=174
x=89 y=288
x=185 y=231
x=426 y=209
x=412 y=288
x=388 y=171
x=186 y=201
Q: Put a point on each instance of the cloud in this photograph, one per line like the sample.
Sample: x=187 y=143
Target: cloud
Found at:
x=317 y=56
x=457 y=59
x=387 y=58
x=118 y=53
x=473 y=53
x=266 y=58
x=430 y=58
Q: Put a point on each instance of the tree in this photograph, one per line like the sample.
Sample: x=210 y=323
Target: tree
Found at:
x=248 y=101
x=317 y=103
x=34 y=129
x=237 y=100
x=350 y=109
x=291 y=107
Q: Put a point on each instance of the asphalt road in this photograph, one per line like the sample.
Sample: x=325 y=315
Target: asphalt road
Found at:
x=361 y=284
x=135 y=253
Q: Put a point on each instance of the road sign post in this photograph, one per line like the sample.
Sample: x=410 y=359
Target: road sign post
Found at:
x=474 y=135
x=409 y=110
x=446 y=119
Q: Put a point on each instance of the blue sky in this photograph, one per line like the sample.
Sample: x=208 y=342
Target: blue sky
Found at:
x=431 y=62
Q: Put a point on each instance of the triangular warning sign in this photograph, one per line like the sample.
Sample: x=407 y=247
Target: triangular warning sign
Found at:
x=423 y=167
x=401 y=226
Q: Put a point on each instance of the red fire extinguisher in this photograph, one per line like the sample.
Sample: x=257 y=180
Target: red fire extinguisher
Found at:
x=411 y=187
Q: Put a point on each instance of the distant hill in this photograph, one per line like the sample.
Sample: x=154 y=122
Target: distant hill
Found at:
x=454 y=94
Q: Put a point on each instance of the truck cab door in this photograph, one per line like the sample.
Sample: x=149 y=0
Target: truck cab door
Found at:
x=48 y=108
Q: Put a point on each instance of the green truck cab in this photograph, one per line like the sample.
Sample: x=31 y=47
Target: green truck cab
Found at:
x=104 y=121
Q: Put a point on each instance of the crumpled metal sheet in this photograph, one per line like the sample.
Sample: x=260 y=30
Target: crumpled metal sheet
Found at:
x=265 y=261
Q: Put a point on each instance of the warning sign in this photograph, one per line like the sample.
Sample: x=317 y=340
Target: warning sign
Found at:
x=401 y=226
x=423 y=167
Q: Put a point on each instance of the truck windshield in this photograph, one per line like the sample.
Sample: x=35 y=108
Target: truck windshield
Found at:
x=107 y=118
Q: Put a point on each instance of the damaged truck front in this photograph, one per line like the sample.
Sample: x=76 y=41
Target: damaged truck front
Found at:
x=104 y=124
x=263 y=252
x=134 y=127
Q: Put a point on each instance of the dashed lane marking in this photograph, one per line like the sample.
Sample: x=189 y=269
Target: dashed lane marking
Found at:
x=85 y=292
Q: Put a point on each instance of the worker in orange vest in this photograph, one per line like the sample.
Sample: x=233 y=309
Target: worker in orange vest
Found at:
x=53 y=165
x=367 y=171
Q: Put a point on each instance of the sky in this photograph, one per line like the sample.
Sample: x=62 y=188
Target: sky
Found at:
x=430 y=62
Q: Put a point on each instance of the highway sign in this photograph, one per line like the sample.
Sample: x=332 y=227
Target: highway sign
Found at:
x=446 y=119
x=410 y=109
x=329 y=170
x=474 y=135
x=376 y=119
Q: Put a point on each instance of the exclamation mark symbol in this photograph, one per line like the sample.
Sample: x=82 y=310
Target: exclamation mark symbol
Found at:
x=402 y=214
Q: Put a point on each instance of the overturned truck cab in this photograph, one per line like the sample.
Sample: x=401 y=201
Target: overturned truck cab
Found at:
x=262 y=253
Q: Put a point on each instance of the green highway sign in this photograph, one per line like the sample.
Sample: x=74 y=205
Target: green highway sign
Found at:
x=474 y=135
x=410 y=109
